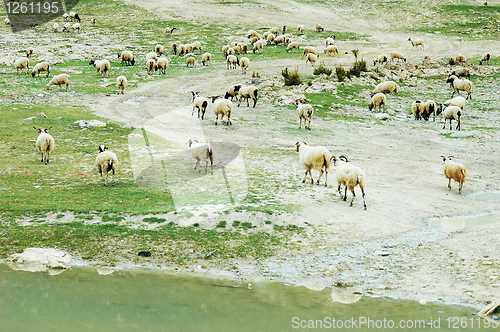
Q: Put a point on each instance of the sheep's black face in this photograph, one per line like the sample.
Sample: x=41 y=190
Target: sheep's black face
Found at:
x=102 y=148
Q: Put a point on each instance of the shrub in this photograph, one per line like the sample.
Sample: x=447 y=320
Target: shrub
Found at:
x=221 y=224
x=357 y=68
x=451 y=61
x=322 y=69
x=291 y=78
x=342 y=73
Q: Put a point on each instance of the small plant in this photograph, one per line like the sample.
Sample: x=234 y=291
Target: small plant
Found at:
x=451 y=61
x=60 y=215
x=236 y=223
x=246 y=225
x=357 y=68
x=322 y=69
x=221 y=224
x=196 y=225
x=291 y=78
x=154 y=219
x=342 y=73
x=355 y=52
x=268 y=222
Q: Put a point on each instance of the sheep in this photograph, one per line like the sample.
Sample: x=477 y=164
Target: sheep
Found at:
x=281 y=40
x=312 y=58
x=460 y=58
x=189 y=48
x=151 y=65
x=271 y=38
x=381 y=59
x=378 y=99
x=169 y=30
x=485 y=58
x=121 y=83
x=6 y=21
x=386 y=87
x=293 y=45
x=253 y=40
x=159 y=49
x=56 y=27
x=349 y=176
x=253 y=33
x=397 y=55
x=162 y=64
x=39 y=67
x=32 y=24
x=330 y=41
x=450 y=112
x=283 y=29
x=417 y=108
x=102 y=66
x=244 y=63
x=248 y=92
x=316 y=157
x=93 y=21
x=300 y=29
x=457 y=101
x=200 y=152
x=274 y=30
x=44 y=143
x=232 y=61
x=461 y=72
x=319 y=28
x=74 y=16
x=306 y=112
x=22 y=63
x=200 y=103
x=244 y=48
x=257 y=47
x=29 y=52
x=197 y=46
x=460 y=85
x=66 y=27
x=427 y=58
x=264 y=36
x=233 y=91
x=236 y=49
x=126 y=57
x=174 y=48
x=106 y=161
x=455 y=171
x=182 y=50
x=430 y=107
x=332 y=49
x=190 y=61
x=76 y=26
x=307 y=50
x=222 y=107
x=59 y=80
x=151 y=55
x=416 y=42
x=65 y=17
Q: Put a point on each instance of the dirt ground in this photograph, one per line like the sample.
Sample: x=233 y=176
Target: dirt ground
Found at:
x=390 y=249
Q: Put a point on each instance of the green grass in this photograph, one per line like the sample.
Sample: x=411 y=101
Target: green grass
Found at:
x=346 y=95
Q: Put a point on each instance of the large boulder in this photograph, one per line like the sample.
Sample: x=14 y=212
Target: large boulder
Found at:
x=40 y=259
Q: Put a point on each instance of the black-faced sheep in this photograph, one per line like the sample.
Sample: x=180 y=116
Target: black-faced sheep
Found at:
x=450 y=112
x=202 y=152
x=430 y=107
x=460 y=85
x=56 y=27
x=319 y=28
x=457 y=101
x=316 y=157
x=29 y=52
x=312 y=58
x=306 y=112
x=233 y=91
x=59 y=80
x=174 y=48
x=66 y=27
x=159 y=49
x=44 y=143
x=378 y=100
x=331 y=50
x=461 y=72
x=455 y=171
x=485 y=58
x=200 y=103
x=169 y=30
x=300 y=29
x=74 y=16
x=258 y=46
x=330 y=41
x=39 y=67
x=349 y=176
x=101 y=66
x=307 y=50
x=76 y=26
x=93 y=21
x=381 y=59
x=417 y=108
x=106 y=162
x=232 y=61
x=416 y=42
x=248 y=92
x=127 y=58
x=460 y=58
x=121 y=83
x=151 y=66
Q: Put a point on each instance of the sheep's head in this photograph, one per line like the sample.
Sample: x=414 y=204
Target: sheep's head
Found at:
x=343 y=158
x=92 y=62
x=440 y=109
x=102 y=148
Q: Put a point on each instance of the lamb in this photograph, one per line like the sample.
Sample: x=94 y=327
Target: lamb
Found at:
x=300 y=29
x=102 y=66
x=121 y=83
x=485 y=58
x=76 y=26
x=332 y=49
x=330 y=41
x=39 y=67
x=74 y=16
x=312 y=58
x=248 y=92
x=59 y=80
x=460 y=85
x=307 y=50
x=22 y=63
x=170 y=30
x=460 y=58
x=159 y=49
x=233 y=91
x=381 y=59
x=200 y=152
x=44 y=143
x=397 y=55
x=317 y=158
x=244 y=64
x=151 y=55
x=56 y=27
x=200 y=103
x=417 y=108
x=416 y=42
x=151 y=65
x=378 y=99
x=293 y=45
x=232 y=61
x=106 y=161
x=461 y=72
x=455 y=171
x=29 y=52
x=126 y=57
x=222 y=107
x=162 y=64
x=306 y=112
x=430 y=107
x=258 y=46
x=319 y=28
x=457 y=101
x=386 y=87
x=450 y=112
x=93 y=21
x=66 y=27
x=350 y=176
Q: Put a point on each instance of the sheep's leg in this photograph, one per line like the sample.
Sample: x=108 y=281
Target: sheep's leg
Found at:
x=450 y=125
x=113 y=178
x=305 y=176
x=300 y=123
x=309 y=127
x=41 y=160
x=458 y=125
x=197 y=164
x=320 y=175
x=460 y=184
x=338 y=189
x=192 y=113
x=364 y=202
x=216 y=118
x=310 y=174
x=255 y=102
x=353 y=195
x=345 y=194
x=47 y=157
x=203 y=115
x=248 y=105
x=449 y=183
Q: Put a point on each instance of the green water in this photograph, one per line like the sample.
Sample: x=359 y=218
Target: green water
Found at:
x=136 y=300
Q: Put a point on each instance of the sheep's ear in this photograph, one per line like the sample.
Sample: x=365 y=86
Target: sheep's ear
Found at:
x=49 y=128
x=449 y=157
x=444 y=158
x=35 y=128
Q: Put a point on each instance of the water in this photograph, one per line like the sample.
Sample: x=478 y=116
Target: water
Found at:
x=464 y=222
x=138 y=300
x=493 y=195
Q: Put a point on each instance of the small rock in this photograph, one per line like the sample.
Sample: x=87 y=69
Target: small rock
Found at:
x=495 y=317
x=381 y=116
x=487 y=263
x=422 y=302
x=382 y=253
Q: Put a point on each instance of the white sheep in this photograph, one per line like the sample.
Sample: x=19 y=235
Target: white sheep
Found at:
x=397 y=55
x=381 y=59
x=485 y=58
x=74 y=16
x=416 y=42
x=6 y=21
x=189 y=48
x=458 y=85
x=244 y=64
x=450 y=112
x=349 y=176
x=460 y=58
x=306 y=112
x=430 y=107
x=169 y=30
x=319 y=28
x=300 y=29
x=22 y=63
x=386 y=87
x=253 y=40
x=151 y=55
x=417 y=108
x=331 y=50
x=106 y=162
x=233 y=91
x=66 y=27
x=206 y=58
x=102 y=66
x=182 y=49
x=330 y=41
x=76 y=26
x=271 y=38
x=56 y=27
x=159 y=49
x=126 y=57
x=378 y=100
x=274 y=30
x=197 y=46
x=455 y=171
x=39 y=67
x=248 y=92
x=151 y=66
x=202 y=152
x=200 y=103
x=232 y=61
x=121 y=83
x=222 y=107
x=457 y=101
x=29 y=52
x=253 y=33
x=161 y=65
x=292 y=46
x=316 y=157
x=312 y=58
x=281 y=40
x=190 y=61
x=44 y=143
x=461 y=72
x=93 y=21
x=258 y=46
x=65 y=17
x=59 y=80
x=307 y=50
x=174 y=47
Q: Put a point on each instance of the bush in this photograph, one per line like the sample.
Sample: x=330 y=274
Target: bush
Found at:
x=291 y=78
x=342 y=73
x=451 y=61
x=221 y=224
x=358 y=67
x=322 y=69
